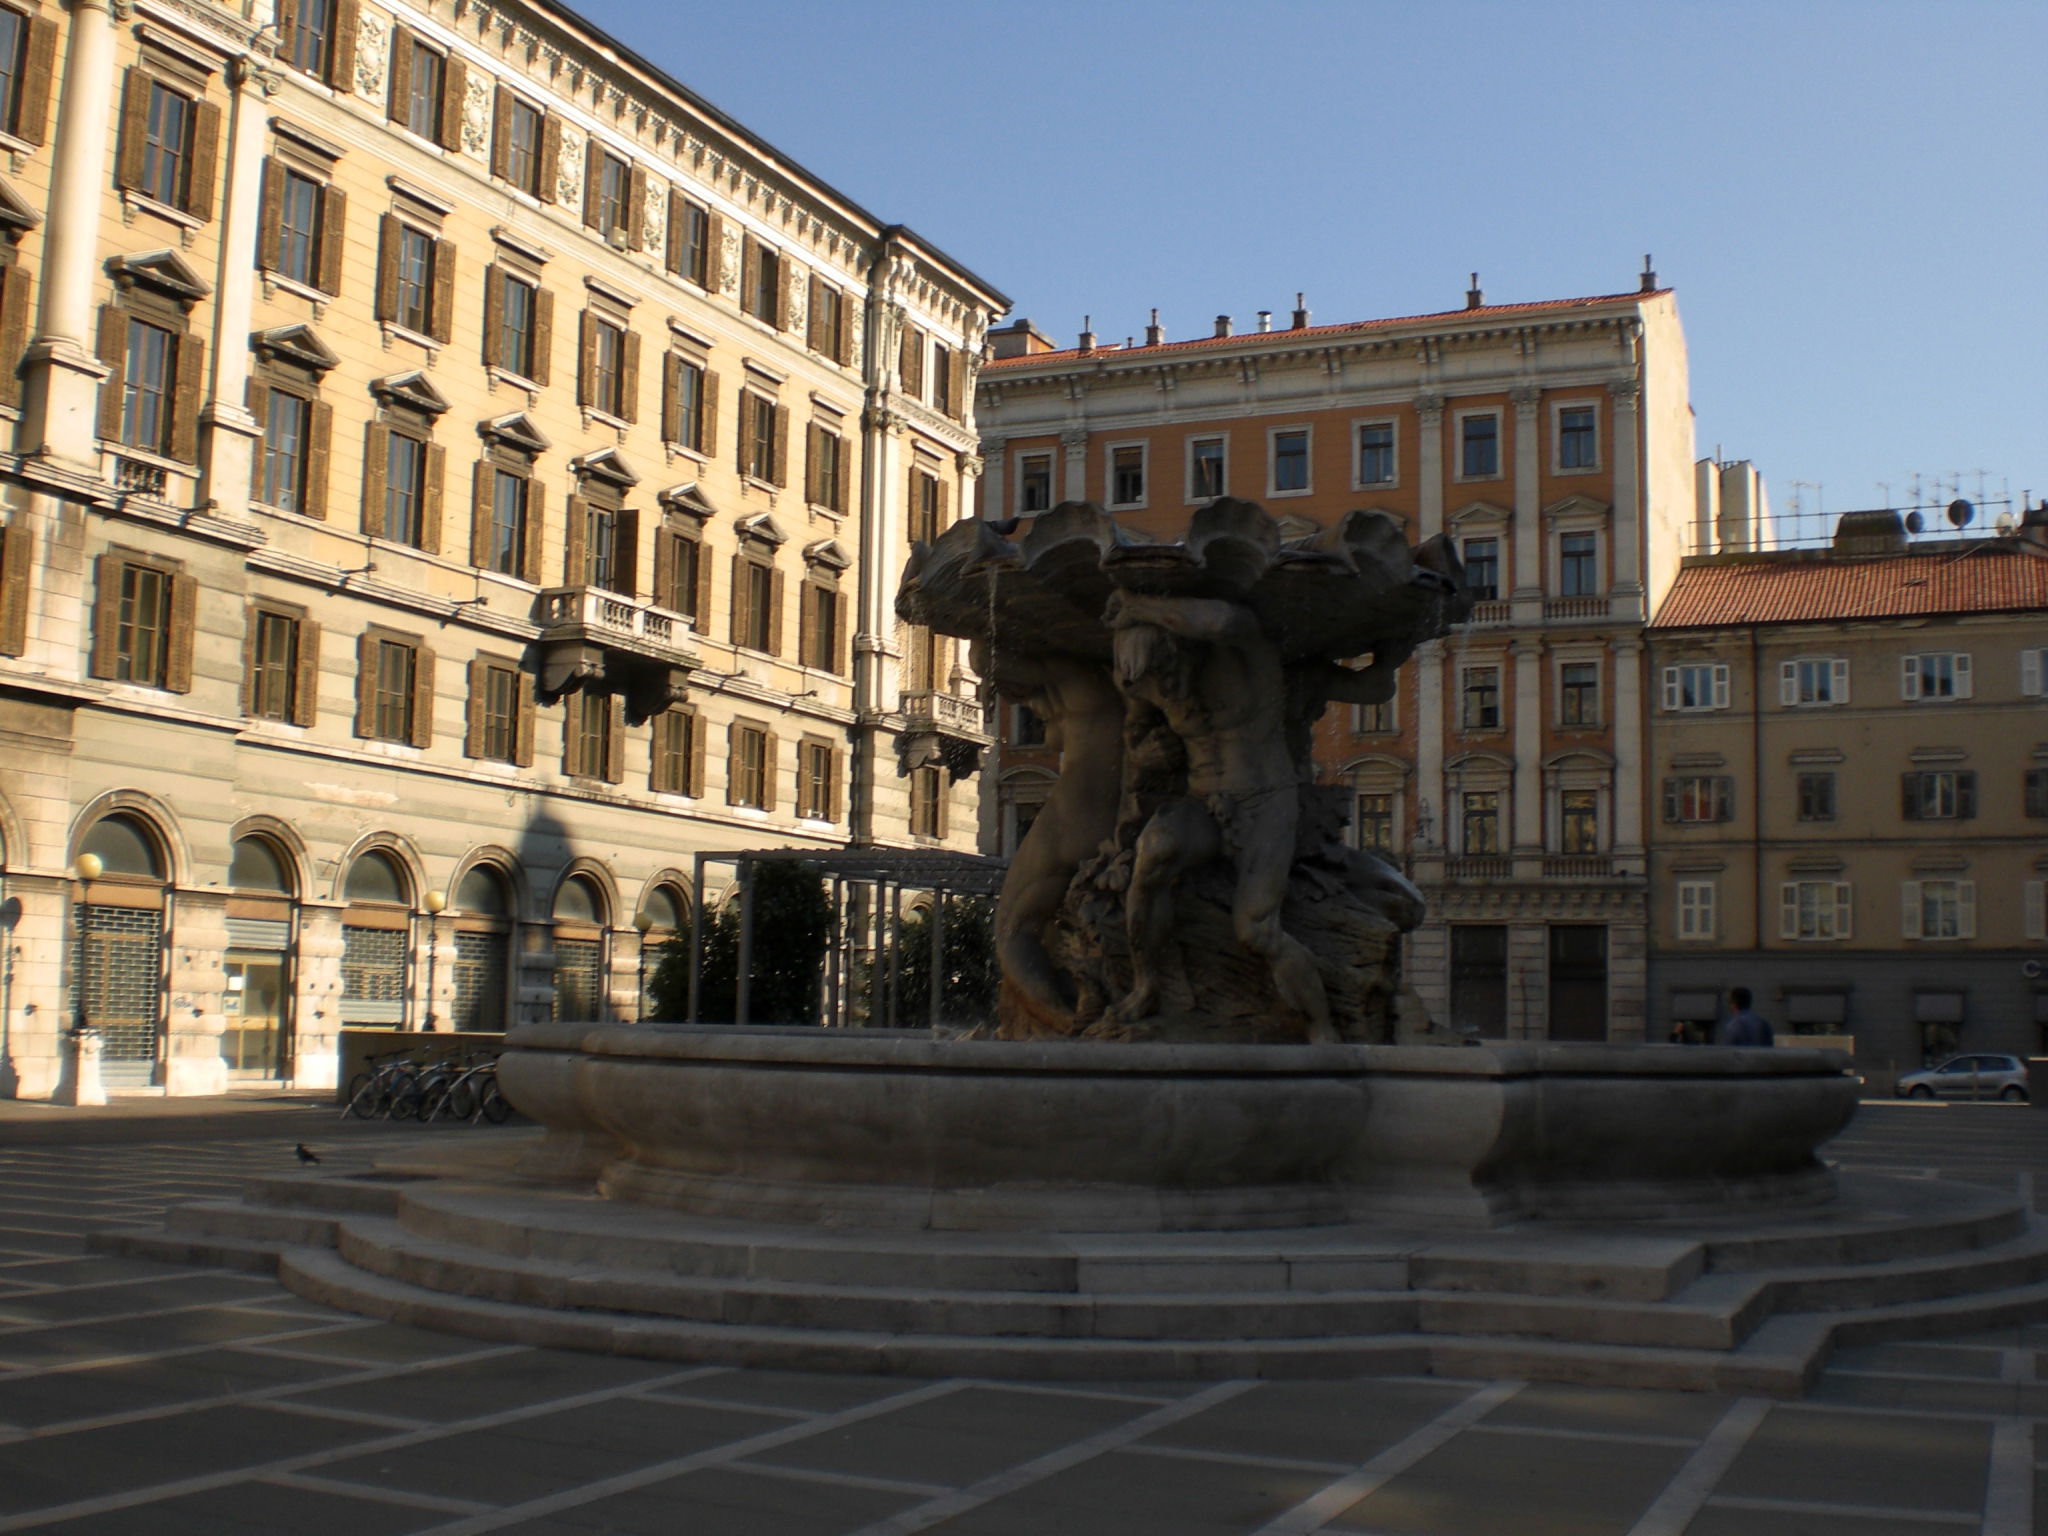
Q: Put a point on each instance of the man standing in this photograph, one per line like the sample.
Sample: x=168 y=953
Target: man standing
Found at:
x=1743 y=1026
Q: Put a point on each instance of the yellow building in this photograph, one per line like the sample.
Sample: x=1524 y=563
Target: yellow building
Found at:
x=1850 y=754
x=458 y=474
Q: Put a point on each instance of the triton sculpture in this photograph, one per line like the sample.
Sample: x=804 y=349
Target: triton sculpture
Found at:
x=1187 y=879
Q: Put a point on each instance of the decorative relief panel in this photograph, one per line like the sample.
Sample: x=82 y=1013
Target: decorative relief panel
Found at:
x=476 y=115
x=796 y=302
x=654 y=215
x=569 y=169
x=373 y=54
x=729 y=262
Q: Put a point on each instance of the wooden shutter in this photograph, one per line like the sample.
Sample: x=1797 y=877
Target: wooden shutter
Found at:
x=629 y=375
x=671 y=398
x=750 y=272
x=1966 y=795
x=614 y=742
x=851 y=314
x=942 y=800
x=366 y=683
x=376 y=465
x=474 y=709
x=482 y=492
x=14 y=314
x=1909 y=677
x=778 y=471
x=664 y=567
x=501 y=133
x=1724 y=797
x=184 y=621
x=441 y=319
x=543 y=334
x=842 y=636
x=1966 y=686
x=341 y=61
x=714 y=252
x=746 y=434
x=106 y=612
x=956 y=387
x=586 y=358
x=2032 y=671
x=550 y=157
x=134 y=125
x=771 y=756
x=306 y=675
x=319 y=456
x=494 y=314
x=270 y=225
x=536 y=531
x=732 y=764
x=17 y=547
x=672 y=246
x=626 y=552
x=945 y=507
x=1909 y=909
x=806 y=629
x=1838 y=680
x=188 y=398
x=113 y=351
x=205 y=161
x=39 y=67
x=454 y=93
x=593 y=184
x=398 y=97
x=698 y=736
x=422 y=696
x=522 y=736
x=636 y=208
x=811 y=458
x=252 y=621
x=388 y=235
x=576 y=551
x=742 y=600
x=835 y=780
x=1788 y=682
x=774 y=646
x=333 y=232
x=814 y=316
x=430 y=508
x=704 y=608
x=707 y=437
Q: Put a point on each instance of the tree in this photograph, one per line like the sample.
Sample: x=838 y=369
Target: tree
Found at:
x=793 y=925
x=970 y=972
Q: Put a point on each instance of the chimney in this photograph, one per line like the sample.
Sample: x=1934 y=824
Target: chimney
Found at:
x=1265 y=321
x=1087 y=342
x=1473 y=297
x=1649 y=275
x=1223 y=325
x=1155 y=333
x=1300 y=313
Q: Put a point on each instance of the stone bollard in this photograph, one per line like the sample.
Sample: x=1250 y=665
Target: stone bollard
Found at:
x=78 y=1076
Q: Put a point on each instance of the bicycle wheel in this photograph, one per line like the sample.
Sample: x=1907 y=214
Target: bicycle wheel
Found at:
x=432 y=1097
x=461 y=1102
x=364 y=1096
x=493 y=1104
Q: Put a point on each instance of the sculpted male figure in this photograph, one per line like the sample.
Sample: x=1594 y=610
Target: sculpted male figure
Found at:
x=1206 y=666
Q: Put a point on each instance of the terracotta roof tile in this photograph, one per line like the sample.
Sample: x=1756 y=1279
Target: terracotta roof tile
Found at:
x=1985 y=579
x=1267 y=338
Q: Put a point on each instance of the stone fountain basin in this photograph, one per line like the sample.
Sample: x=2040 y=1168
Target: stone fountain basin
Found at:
x=877 y=1128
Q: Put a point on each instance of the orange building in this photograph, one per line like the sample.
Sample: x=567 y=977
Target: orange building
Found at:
x=1553 y=443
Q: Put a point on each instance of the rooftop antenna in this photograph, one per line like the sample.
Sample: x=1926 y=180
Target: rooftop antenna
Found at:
x=1885 y=487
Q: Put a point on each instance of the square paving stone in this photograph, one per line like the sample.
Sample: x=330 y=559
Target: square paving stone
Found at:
x=1482 y=1484
x=96 y=1268
x=958 y=1438
x=1923 y=1394
x=71 y=1343
x=244 y=1509
x=532 y=1458
x=798 y=1390
x=726 y=1501
x=1335 y=1421
x=1726 y=1520
x=89 y=1463
x=468 y=1389
x=79 y=1303
x=1875 y=1460
x=59 y=1396
x=1549 y=1405
x=369 y=1343
x=1119 y=1494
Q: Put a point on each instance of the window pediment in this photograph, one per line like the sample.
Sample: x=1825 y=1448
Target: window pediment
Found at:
x=294 y=344
x=827 y=552
x=514 y=431
x=687 y=499
x=164 y=272
x=1479 y=514
x=1577 y=512
x=607 y=465
x=763 y=527
x=413 y=390
x=17 y=215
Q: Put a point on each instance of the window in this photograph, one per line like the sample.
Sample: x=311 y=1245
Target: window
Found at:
x=588 y=730
x=756 y=611
x=1699 y=797
x=1481 y=699
x=612 y=188
x=167 y=145
x=1695 y=686
x=143 y=623
x=309 y=35
x=415 y=278
x=298 y=227
x=418 y=94
x=146 y=387
x=763 y=296
x=822 y=464
x=1578 y=820
x=391 y=690
x=690 y=241
x=1479 y=821
x=1482 y=569
x=1034 y=482
x=1478 y=446
x=1816 y=796
x=169 y=142
x=673 y=770
x=1127 y=475
x=521 y=129
x=405 y=489
x=819 y=643
x=1027 y=726
x=518 y=320
x=506 y=531
x=143 y=630
x=1578 y=693
x=606 y=367
x=1373 y=719
x=2036 y=797
x=910 y=362
x=686 y=419
x=942 y=378
x=1372 y=821
x=679 y=573
x=1205 y=468
x=814 y=781
x=1813 y=680
x=1814 y=909
x=1578 y=444
x=1938 y=909
x=415 y=306
x=747 y=776
x=1938 y=675
x=497 y=699
x=594 y=543
x=1290 y=460
x=1942 y=794
x=926 y=507
x=927 y=803
x=827 y=321
x=1578 y=564
x=2034 y=672
x=1697 y=900
x=1376 y=453
x=273 y=663
x=760 y=433
x=287 y=422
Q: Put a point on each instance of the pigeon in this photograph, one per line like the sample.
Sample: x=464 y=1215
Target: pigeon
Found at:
x=306 y=1153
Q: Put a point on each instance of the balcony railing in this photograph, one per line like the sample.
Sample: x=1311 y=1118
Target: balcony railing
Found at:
x=1473 y=866
x=1578 y=866
x=134 y=477
x=926 y=709
x=1576 y=607
x=603 y=615
x=1492 y=611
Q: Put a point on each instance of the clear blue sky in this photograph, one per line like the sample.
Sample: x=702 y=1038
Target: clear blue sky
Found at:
x=1849 y=196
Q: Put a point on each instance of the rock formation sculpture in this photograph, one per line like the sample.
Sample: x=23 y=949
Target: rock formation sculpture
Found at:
x=1187 y=879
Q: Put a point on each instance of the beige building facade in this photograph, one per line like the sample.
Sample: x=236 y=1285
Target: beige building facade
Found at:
x=457 y=474
x=1851 y=754
x=1553 y=444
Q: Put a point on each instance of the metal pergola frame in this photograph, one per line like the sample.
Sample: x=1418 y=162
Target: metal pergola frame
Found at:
x=884 y=873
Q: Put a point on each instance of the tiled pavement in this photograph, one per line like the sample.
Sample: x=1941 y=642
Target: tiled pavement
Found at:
x=141 y=1399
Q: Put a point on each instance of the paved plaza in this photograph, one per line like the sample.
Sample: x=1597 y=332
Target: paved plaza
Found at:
x=146 y=1399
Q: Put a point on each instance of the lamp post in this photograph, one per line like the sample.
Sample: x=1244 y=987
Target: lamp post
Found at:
x=436 y=904
x=78 y=1079
x=642 y=922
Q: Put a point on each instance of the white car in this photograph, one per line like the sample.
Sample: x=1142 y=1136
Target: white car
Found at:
x=1977 y=1076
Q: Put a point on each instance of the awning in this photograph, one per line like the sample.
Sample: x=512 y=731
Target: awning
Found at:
x=1938 y=1007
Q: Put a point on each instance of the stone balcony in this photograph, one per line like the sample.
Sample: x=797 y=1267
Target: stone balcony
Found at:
x=1578 y=866
x=1597 y=606
x=942 y=728
x=1479 y=866
x=614 y=643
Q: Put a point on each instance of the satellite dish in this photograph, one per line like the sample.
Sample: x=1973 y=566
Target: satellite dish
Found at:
x=1960 y=511
x=1915 y=522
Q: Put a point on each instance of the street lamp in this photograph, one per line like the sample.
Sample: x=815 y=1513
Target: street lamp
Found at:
x=642 y=922
x=436 y=904
x=86 y=868
x=79 y=1080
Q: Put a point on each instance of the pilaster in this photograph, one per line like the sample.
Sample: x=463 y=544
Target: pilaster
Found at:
x=1528 y=831
x=226 y=456
x=1628 y=494
x=1429 y=414
x=1431 y=812
x=1528 y=587
x=1629 y=731
x=1075 y=441
x=197 y=937
x=37 y=944
x=316 y=997
x=995 y=474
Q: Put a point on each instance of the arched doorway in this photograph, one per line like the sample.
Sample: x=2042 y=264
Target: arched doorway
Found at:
x=579 y=950
x=119 y=988
x=376 y=932
x=257 y=1042
x=663 y=916
x=483 y=949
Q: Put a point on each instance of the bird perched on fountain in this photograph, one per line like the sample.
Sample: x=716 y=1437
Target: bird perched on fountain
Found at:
x=306 y=1153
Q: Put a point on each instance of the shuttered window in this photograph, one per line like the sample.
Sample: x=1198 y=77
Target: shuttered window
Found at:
x=146 y=387
x=144 y=619
x=28 y=58
x=677 y=760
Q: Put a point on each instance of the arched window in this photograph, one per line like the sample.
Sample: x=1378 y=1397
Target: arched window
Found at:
x=483 y=950
x=579 y=950
x=119 y=984
x=125 y=847
x=578 y=901
x=376 y=941
x=482 y=893
x=257 y=866
x=376 y=876
x=665 y=908
x=257 y=1004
